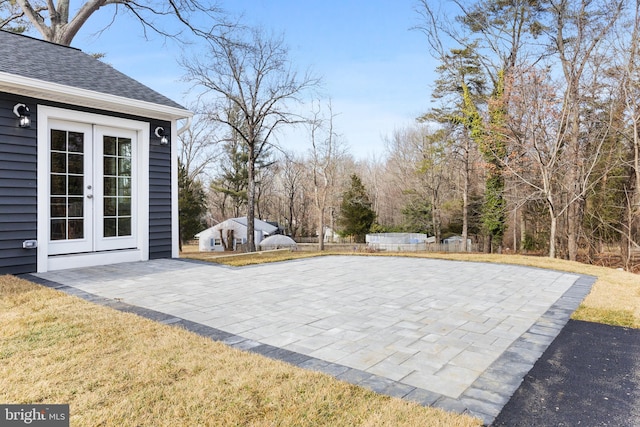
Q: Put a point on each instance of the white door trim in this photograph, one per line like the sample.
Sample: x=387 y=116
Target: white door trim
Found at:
x=48 y=262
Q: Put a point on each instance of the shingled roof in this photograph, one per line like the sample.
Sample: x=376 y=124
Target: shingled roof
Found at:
x=29 y=58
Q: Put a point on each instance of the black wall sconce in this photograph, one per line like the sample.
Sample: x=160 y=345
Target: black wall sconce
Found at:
x=24 y=115
x=160 y=133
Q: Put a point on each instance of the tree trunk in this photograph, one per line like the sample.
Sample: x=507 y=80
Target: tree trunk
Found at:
x=465 y=196
x=574 y=211
x=552 y=232
x=635 y=198
x=523 y=230
x=434 y=217
x=251 y=195
x=572 y=231
x=321 y=228
x=515 y=230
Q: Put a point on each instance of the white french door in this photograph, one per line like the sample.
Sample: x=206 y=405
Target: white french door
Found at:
x=92 y=188
x=116 y=188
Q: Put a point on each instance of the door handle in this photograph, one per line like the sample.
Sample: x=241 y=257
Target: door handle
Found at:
x=89 y=196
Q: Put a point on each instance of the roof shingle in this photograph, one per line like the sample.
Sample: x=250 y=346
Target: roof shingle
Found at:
x=29 y=57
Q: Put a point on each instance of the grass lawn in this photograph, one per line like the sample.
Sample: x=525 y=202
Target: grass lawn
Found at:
x=117 y=369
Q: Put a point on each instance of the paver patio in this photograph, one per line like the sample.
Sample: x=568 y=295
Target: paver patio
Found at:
x=456 y=335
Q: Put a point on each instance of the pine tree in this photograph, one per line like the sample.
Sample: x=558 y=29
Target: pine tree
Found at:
x=356 y=214
x=191 y=206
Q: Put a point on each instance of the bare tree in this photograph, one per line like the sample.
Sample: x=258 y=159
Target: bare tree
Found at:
x=292 y=187
x=579 y=28
x=421 y=160
x=375 y=176
x=250 y=71
x=199 y=146
x=631 y=90
x=627 y=75
x=12 y=17
x=326 y=150
x=56 y=23
x=537 y=146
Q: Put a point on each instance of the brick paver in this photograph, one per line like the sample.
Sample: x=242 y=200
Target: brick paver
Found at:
x=456 y=335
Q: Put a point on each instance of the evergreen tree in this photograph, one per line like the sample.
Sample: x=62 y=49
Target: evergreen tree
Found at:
x=418 y=216
x=234 y=178
x=461 y=87
x=493 y=147
x=356 y=214
x=191 y=205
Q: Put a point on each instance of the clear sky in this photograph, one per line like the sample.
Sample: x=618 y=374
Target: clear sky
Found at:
x=376 y=70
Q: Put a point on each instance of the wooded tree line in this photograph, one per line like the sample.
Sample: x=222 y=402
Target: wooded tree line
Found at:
x=540 y=98
x=532 y=141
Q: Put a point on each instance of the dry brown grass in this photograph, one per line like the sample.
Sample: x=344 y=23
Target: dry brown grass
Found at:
x=614 y=298
x=244 y=259
x=117 y=369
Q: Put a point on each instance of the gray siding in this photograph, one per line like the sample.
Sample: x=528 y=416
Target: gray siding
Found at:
x=18 y=188
x=160 y=197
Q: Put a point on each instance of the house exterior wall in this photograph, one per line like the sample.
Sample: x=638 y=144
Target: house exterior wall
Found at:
x=18 y=185
x=18 y=190
x=160 y=242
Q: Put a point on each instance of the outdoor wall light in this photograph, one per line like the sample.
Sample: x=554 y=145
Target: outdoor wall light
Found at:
x=23 y=114
x=160 y=133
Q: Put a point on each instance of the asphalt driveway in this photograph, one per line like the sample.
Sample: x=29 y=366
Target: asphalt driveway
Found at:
x=589 y=376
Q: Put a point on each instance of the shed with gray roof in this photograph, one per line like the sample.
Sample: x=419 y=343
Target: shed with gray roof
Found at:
x=93 y=179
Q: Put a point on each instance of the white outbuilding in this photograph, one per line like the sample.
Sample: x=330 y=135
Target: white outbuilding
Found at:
x=231 y=234
x=398 y=241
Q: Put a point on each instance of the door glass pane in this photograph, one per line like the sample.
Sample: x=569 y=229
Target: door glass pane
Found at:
x=110 y=187
x=124 y=206
x=67 y=185
x=124 y=148
x=58 y=162
x=58 y=140
x=58 y=207
x=76 y=163
x=124 y=226
x=124 y=167
x=110 y=206
x=58 y=184
x=76 y=185
x=76 y=228
x=58 y=229
x=76 y=207
x=110 y=227
x=76 y=142
x=117 y=186
x=124 y=187
x=109 y=144
x=109 y=165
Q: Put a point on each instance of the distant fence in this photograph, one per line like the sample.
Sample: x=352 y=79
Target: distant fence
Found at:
x=422 y=247
x=452 y=247
x=311 y=243
x=339 y=240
